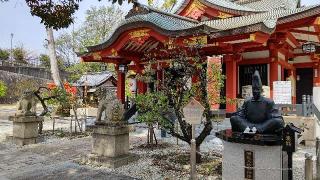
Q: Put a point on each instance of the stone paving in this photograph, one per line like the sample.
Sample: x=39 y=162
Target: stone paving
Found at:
x=53 y=159
x=50 y=161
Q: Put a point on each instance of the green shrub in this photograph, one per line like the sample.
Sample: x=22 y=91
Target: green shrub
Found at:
x=3 y=89
x=4 y=54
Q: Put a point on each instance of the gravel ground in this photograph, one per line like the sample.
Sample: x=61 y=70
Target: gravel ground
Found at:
x=57 y=158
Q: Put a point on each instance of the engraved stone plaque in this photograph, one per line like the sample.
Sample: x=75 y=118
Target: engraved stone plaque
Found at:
x=249 y=165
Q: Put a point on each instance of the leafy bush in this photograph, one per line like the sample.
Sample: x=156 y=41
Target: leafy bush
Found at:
x=20 y=55
x=3 y=89
x=45 y=62
x=4 y=54
x=23 y=85
x=151 y=107
x=64 y=98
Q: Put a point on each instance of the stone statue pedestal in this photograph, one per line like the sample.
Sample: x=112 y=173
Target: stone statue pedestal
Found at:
x=25 y=129
x=110 y=146
x=258 y=157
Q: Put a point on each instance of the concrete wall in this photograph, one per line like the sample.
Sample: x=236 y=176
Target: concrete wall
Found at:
x=17 y=83
x=316 y=97
x=31 y=71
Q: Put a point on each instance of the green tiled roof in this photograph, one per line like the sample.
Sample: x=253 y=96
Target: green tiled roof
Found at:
x=224 y=5
x=231 y=5
x=162 y=21
x=174 y=25
x=268 y=18
x=268 y=5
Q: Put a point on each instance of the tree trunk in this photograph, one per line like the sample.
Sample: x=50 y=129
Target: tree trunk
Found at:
x=151 y=134
x=53 y=59
x=198 y=155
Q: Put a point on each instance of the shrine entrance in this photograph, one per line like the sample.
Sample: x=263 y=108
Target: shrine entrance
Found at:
x=245 y=75
x=304 y=83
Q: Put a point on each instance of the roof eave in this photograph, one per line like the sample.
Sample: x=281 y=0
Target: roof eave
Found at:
x=201 y=29
x=258 y=27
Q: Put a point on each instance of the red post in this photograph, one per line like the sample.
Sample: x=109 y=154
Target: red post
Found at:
x=142 y=87
x=273 y=75
x=231 y=82
x=121 y=86
x=316 y=77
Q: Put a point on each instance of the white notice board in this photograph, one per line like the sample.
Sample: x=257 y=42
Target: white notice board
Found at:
x=282 y=92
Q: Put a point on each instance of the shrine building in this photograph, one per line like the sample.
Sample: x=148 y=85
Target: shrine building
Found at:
x=277 y=37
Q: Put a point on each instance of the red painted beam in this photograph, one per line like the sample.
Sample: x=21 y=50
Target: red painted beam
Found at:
x=286 y=65
x=304 y=65
x=296 y=24
x=305 y=32
x=254 y=61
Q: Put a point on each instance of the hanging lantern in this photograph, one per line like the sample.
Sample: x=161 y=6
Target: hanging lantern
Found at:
x=123 y=68
x=308 y=47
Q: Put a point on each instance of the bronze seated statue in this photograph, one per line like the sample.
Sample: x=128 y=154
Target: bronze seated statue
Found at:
x=258 y=113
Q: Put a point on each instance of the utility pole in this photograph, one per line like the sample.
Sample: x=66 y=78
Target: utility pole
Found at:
x=11 y=50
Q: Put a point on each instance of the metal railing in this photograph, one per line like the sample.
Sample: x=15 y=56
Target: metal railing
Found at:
x=16 y=63
x=306 y=109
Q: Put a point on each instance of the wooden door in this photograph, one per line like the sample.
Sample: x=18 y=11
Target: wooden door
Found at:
x=304 y=83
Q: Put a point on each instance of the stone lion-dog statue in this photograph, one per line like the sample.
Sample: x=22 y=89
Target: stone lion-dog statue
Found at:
x=113 y=109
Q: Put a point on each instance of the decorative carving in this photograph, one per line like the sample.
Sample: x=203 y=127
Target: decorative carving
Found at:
x=195 y=10
x=96 y=56
x=139 y=33
x=170 y=43
x=112 y=108
x=139 y=36
x=27 y=104
x=198 y=40
x=114 y=53
x=137 y=9
x=223 y=15
x=252 y=37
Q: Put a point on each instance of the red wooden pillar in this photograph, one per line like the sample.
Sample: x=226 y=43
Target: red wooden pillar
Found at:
x=274 y=75
x=294 y=86
x=231 y=82
x=121 y=86
x=142 y=87
x=274 y=67
x=316 y=77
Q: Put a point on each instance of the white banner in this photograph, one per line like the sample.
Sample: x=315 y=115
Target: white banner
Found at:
x=282 y=92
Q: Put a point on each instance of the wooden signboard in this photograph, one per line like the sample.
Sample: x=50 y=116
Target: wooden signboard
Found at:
x=249 y=165
x=193 y=112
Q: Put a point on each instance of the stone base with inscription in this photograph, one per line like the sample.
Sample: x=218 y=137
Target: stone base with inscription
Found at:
x=25 y=129
x=110 y=146
x=257 y=157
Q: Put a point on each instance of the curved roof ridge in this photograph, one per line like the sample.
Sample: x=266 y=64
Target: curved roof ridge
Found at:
x=231 y=5
x=240 y=21
x=151 y=9
x=268 y=5
x=221 y=4
x=244 y=1
x=162 y=21
x=270 y=23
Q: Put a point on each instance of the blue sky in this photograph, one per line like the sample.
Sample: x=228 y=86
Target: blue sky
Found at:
x=15 y=18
